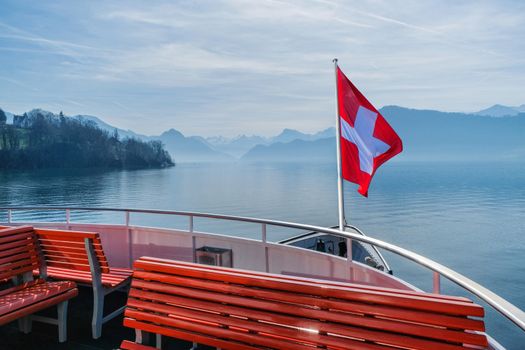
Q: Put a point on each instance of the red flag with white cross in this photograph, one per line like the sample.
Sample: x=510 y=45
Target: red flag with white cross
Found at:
x=366 y=139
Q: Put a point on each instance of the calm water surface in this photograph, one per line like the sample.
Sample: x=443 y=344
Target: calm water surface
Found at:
x=469 y=217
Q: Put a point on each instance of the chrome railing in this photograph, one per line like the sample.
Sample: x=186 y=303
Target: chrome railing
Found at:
x=504 y=307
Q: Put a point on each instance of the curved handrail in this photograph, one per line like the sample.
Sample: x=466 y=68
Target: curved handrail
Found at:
x=504 y=307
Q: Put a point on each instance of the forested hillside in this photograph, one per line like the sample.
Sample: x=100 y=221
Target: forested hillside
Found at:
x=61 y=142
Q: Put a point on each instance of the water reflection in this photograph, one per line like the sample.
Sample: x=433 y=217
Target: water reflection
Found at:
x=468 y=216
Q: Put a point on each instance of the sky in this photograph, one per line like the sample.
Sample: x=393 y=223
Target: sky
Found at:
x=229 y=67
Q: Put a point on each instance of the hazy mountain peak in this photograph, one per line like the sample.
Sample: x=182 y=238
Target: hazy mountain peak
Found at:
x=499 y=110
x=328 y=132
x=288 y=131
x=426 y=134
x=190 y=149
x=90 y=118
x=173 y=133
x=288 y=135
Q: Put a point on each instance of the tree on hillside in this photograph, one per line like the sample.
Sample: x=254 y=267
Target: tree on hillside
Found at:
x=3 y=117
x=44 y=142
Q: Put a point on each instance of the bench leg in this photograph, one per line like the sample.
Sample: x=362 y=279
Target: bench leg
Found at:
x=62 y=321
x=158 y=341
x=25 y=324
x=141 y=337
x=98 y=313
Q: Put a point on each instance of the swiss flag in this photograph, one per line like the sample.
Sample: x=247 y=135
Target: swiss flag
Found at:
x=367 y=140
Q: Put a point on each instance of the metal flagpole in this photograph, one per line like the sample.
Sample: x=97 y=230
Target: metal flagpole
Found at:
x=340 y=197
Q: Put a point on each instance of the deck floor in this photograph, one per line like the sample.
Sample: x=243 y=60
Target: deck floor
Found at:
x=45 y=336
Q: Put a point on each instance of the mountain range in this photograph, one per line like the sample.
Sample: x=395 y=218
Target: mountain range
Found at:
x=434 y=135
x=502 y=111
x=240 y=145
x=497 y=132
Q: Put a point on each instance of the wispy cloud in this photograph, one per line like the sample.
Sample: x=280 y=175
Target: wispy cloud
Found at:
x=398 y=22
x=260 y=64
x=70 y=49
x=19 y=84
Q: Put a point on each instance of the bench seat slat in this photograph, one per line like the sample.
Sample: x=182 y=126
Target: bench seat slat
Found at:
x=128 y=345
x=16 y=264
x=23 y=236
x=79 y=256
x=20 y=254
x=230 y=337
x=269 y=318
x=68 y=266
x=40 y=305
x=19 y=248
x=413 y=302
x=8 y=273
x=304 y=311
x=20 y=286
x=53 y=241
x=265 y=311
x=188 y=336
x=32 y=294
x=355 y=307
x=66 y=235
x=310 y=280
x=15 y=247
x=78 y=251
x=111 y=279
x=75 y=245
x=11 y=231
x=64 y=256
x=68 y=245
x=217 y=320
x=24 y=256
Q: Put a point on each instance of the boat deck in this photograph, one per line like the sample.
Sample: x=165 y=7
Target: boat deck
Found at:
x=45 y=336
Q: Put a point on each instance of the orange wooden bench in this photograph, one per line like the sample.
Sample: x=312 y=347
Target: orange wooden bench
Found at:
x=78 y=256
x=234 y=309
x=22 y=296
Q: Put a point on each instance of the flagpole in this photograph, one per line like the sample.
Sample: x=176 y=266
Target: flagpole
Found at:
x=340 y=197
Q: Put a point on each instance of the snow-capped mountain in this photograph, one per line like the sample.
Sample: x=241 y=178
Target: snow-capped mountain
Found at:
x=189 y=149
x=502 y=111
x=241 y=144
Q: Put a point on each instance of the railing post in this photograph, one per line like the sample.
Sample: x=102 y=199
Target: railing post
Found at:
x=193 y=239
x=350 y=266
x=263 y=233
x=9 y=216
x=194 y=248
x=265 y=245
x=68 y=218
x=437 y=283
x=130 y=239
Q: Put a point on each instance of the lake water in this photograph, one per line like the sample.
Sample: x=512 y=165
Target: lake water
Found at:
x=468 y=216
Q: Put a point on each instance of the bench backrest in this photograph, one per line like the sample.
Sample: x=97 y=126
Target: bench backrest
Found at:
x=18 y=252
x=313 y=280
x=234 y=309
x=68 y=250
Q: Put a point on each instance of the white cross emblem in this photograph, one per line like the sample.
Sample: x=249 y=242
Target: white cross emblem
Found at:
x=362 y=136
